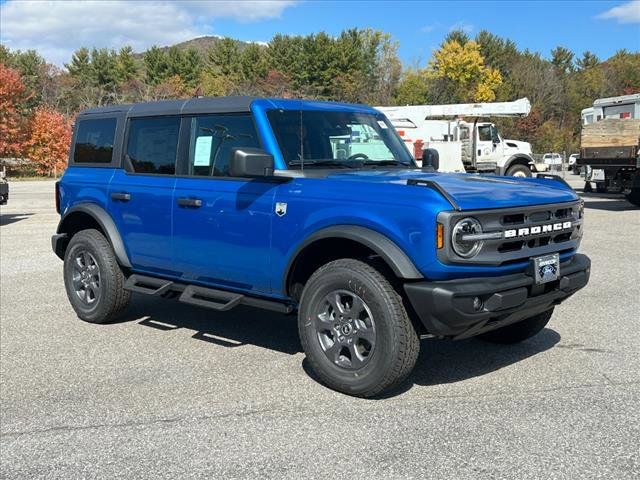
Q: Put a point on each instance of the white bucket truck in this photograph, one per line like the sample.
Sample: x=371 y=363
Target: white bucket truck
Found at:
x=457 y=145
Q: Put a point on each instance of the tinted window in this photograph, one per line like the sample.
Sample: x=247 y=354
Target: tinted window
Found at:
x=153 y=144
x=213 y=137
x=94 y=140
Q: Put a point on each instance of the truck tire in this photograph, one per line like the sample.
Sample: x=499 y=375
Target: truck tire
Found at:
x=519 y=331
x=518 y=171
x=354 y=329
x=601 y=187
x=93 y=279
x=634 y=197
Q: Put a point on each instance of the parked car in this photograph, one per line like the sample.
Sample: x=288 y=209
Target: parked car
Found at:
x=4 y=187
x=572 y=165
x=554 y=160
x=312 y=208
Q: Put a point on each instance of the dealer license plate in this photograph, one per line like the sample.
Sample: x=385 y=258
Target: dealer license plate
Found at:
x=546 y=269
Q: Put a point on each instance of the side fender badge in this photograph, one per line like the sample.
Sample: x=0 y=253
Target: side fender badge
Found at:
x=281 y=209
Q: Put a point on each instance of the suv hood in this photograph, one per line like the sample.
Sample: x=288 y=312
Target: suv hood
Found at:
x=470 y=191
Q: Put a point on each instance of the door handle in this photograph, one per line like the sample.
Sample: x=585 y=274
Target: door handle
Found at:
x=121 y=196
x=190 y=202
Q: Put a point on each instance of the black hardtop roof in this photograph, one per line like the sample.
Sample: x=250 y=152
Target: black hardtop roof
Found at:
x=193 y=105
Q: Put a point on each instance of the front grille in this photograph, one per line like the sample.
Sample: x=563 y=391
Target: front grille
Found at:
x=519 y=233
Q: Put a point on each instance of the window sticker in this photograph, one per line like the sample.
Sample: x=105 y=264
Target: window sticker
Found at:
x=382 y=124
x=202 y=155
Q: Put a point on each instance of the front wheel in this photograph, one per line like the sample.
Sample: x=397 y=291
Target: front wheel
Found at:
x=518 y=171
x=519 y=331
x=355 y=330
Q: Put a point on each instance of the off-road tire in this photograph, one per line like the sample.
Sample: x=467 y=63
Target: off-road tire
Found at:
x=396 y=342
x=519 y=331
x=634 y=197
x=112 y=298
x=515 y=169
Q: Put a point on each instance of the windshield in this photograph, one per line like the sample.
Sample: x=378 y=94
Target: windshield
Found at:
x=333 y=138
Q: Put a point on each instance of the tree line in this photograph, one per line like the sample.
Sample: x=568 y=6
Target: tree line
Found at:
x=359 y=65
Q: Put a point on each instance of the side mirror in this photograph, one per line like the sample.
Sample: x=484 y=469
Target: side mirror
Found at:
x=430 y=159
x=250 y=162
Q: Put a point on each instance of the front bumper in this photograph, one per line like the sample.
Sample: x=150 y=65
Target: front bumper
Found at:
x=447 y=308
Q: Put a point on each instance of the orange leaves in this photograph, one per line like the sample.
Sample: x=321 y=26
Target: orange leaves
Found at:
x=49 y=139
x=12 y=94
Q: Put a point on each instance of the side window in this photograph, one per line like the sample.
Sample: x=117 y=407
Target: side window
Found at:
x=153 y=144
x=484 y=133
x=213 y=137
x=94 y=140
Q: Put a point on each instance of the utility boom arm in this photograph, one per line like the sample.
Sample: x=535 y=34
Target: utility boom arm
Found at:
x=517 y=108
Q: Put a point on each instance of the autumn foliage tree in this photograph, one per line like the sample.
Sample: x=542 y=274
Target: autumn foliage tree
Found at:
x=463 y=67
x=12 y=124
x=48 y=142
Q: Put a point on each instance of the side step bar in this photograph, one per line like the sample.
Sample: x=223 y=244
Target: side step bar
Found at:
x=219 y=300
x=210 y=298
x=147 y=285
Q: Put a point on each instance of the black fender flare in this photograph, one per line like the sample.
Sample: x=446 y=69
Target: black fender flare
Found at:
x=107 y=225
x=393 y=255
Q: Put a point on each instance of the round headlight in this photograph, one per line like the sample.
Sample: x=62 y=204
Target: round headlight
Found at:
x=465 y=247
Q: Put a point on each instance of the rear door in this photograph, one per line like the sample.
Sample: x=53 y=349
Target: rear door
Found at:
x=141 y=194
x=221 y=224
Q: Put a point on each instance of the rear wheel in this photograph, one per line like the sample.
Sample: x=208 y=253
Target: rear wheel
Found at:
x=634 y=197
x=519 y=331
x=93 y=278
x=354 y=329
x=518 y=171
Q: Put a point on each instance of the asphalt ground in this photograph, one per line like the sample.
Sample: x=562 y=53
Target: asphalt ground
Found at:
x=174 y=391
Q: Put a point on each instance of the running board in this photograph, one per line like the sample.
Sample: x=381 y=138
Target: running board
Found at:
x=210 y=298
x=220 y=300
x=147 y=285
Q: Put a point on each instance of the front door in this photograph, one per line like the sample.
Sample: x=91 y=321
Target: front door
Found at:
x=488 y=144
x=141 y=195
x=221 y=225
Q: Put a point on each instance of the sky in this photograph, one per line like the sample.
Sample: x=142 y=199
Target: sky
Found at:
x=57 y=28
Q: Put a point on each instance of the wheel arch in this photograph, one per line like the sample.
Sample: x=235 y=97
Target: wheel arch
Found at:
x=91 y=215
x=345 y=241
x=518 y=159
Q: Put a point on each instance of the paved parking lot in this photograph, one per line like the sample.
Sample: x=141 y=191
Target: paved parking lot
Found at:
x=177 y=392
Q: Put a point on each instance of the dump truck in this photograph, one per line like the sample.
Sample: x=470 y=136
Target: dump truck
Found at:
x=610 y=147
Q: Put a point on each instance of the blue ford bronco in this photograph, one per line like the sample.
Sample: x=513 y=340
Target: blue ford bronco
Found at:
x=314 y=208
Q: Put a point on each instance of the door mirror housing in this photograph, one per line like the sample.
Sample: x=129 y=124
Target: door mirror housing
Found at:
x=250 y=162
x=430 y=159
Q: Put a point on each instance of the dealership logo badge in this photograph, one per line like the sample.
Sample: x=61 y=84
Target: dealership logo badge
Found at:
x=537 y=230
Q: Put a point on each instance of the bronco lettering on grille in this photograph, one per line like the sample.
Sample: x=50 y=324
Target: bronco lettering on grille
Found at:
x=537 y=230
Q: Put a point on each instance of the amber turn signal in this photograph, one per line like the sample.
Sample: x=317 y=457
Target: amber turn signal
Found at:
x=439 y=235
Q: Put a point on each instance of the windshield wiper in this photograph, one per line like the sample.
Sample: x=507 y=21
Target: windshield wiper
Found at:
x=385 y=162
x=324 y=163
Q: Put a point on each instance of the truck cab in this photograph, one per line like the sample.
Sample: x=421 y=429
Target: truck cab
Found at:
x=315 y=209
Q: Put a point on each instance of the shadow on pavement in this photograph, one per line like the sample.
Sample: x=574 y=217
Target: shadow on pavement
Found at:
x=240 y=326
x=611 y=205
x=440 y=361
x=9 y=218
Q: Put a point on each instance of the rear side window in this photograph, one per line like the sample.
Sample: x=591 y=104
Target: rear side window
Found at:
x=212 y=139
x=153 y=144
x=94 y=140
